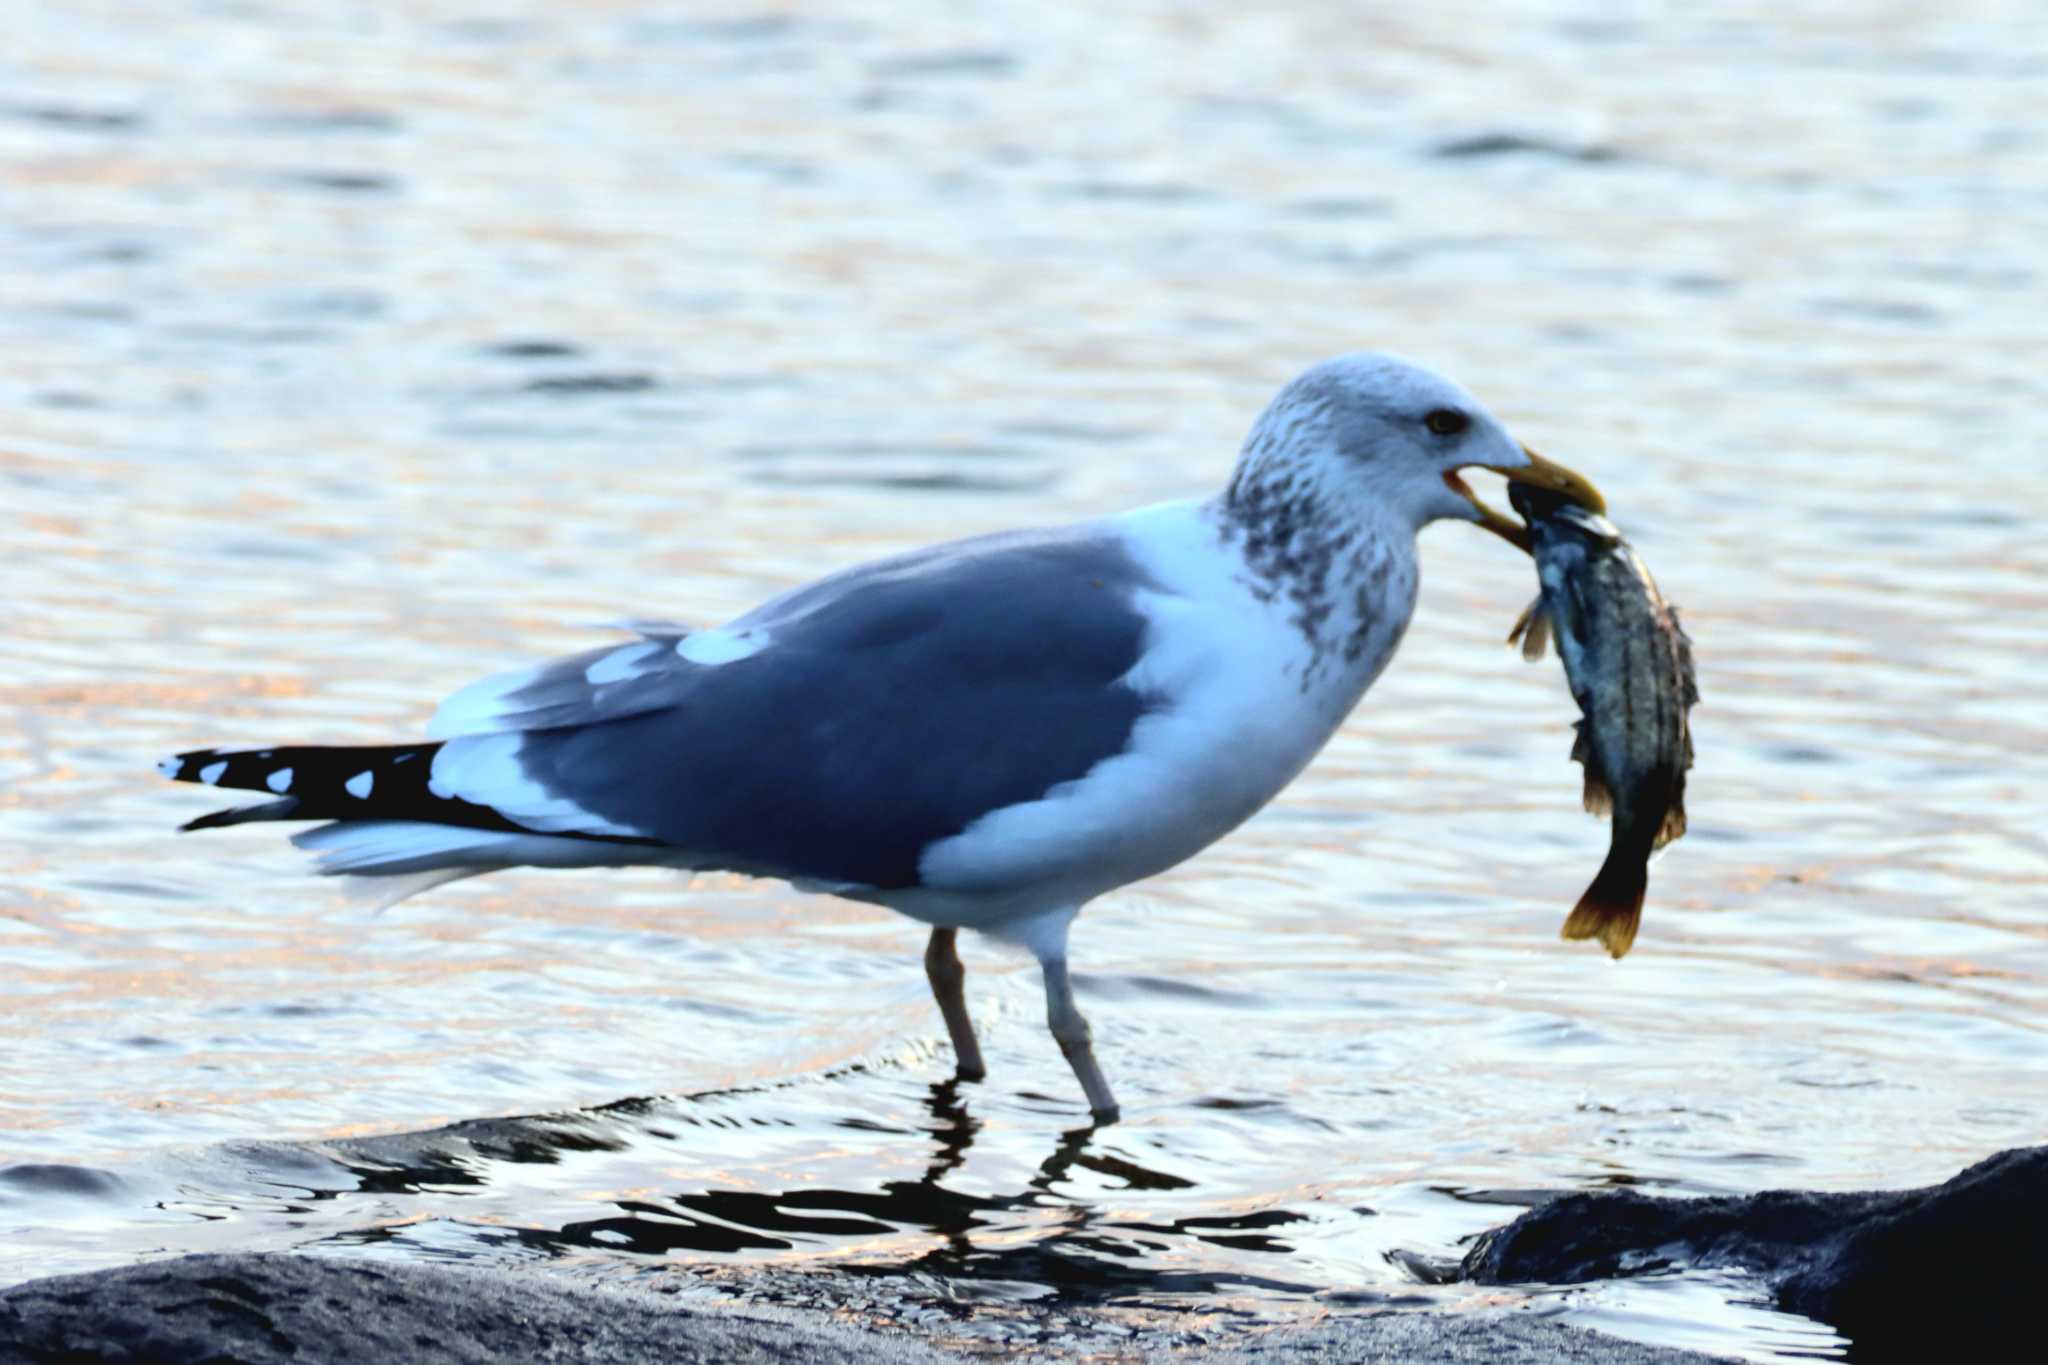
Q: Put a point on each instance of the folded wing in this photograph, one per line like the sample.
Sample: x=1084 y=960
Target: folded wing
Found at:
x=835 y=733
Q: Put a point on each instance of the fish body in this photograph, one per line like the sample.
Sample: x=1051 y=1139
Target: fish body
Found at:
x=1630 y=670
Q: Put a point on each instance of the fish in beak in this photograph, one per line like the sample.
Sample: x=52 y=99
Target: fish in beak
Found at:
x=1539 y=473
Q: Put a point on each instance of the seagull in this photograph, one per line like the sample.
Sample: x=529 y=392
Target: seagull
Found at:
x=986 y=734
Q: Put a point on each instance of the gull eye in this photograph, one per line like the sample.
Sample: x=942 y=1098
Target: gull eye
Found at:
x=1446 y=421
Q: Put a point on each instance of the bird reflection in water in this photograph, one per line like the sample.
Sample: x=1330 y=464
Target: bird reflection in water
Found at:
x=1041 y=1236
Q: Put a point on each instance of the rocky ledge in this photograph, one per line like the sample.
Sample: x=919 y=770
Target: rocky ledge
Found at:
x=1945 y=1272
x=310 y=1310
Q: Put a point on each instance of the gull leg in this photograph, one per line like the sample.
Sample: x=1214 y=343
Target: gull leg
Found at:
x=942 y=967
x=1071 y=1031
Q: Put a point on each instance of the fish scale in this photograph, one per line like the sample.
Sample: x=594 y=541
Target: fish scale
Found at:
x=1630 y=668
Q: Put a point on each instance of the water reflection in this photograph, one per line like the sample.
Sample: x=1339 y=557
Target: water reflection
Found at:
x=1043 y=1232
x=907 y=1217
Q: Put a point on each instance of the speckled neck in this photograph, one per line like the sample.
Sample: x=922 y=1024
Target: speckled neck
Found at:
x=1348 y=579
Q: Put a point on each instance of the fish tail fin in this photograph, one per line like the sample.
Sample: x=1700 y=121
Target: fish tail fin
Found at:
x=1613 y=905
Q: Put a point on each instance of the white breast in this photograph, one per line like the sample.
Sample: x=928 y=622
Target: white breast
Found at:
x=1244 y=708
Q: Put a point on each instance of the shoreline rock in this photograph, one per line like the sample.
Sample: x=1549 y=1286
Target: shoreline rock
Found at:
x=273 y=1308
x=260 y=1308
x=1944 y=1271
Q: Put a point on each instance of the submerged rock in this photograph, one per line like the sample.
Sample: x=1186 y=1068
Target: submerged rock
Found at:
x=1905 y=1275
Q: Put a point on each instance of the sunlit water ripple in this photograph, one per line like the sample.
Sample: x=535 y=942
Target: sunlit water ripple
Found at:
x=348 y=358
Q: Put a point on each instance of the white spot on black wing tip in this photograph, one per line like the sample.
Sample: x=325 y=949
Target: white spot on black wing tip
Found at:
x=170 y=767
x=211 y=773
x=359 y=785
x=279 y=781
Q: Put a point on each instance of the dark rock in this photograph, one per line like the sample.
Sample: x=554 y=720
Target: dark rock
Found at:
x=309 y=1310
x=1487 y=1338
x=265 y=1310
x=1585 y=1237
x=1939 y=1268
x=1905 y=1275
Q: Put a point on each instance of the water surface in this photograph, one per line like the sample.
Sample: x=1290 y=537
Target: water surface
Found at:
x=346 y=357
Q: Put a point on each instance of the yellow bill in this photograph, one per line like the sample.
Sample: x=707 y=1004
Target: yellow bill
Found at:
x=1541 y=473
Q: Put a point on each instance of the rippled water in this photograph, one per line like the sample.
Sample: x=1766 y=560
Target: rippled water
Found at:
x=344 y=358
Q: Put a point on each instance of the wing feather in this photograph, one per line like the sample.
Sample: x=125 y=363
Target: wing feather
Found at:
x=834 y=733
x=611 y=682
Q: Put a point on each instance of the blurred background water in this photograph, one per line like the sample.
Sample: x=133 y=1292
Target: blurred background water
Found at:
x=348 y=353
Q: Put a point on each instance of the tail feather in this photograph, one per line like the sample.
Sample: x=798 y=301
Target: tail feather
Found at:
x=325 y=782
x=280 y=809
x=1613 y=905
x=389 y=825
x=388 y=848
x=403 y=849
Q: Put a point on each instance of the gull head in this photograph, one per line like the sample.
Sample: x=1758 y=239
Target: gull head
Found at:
x=1372 y=436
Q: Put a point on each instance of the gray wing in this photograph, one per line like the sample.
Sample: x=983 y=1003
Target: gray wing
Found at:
x=599 y=684
x=869 y=715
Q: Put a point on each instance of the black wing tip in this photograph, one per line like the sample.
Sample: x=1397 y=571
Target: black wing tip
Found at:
x=191 y=765
x=211 y=820
x=185 y=767
x=284 y=808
